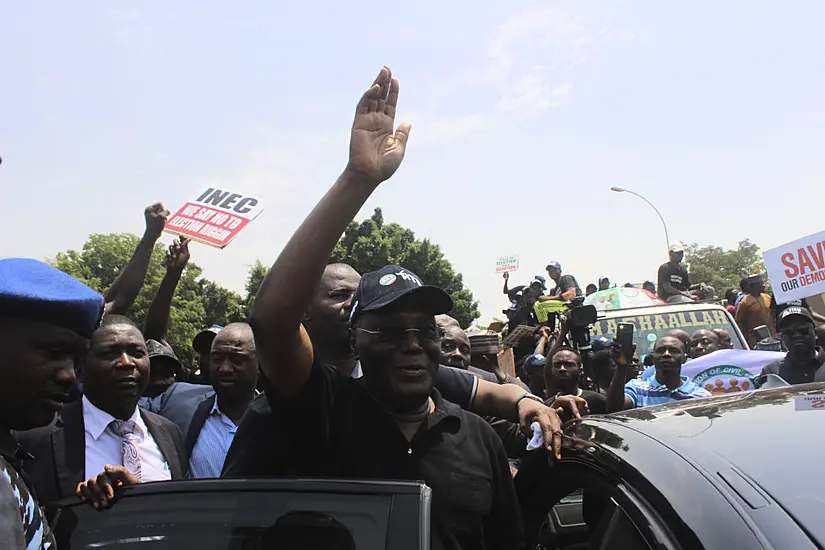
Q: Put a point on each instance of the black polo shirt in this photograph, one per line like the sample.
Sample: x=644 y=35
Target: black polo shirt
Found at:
x=336 y=428
x=596 y=402
x=677 y=276
x=793 y=372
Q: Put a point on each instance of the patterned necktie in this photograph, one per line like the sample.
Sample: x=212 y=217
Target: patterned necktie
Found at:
x=129 y=445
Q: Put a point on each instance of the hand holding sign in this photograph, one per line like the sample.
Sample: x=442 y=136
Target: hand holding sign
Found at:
x=155 y=216
x=374 y=151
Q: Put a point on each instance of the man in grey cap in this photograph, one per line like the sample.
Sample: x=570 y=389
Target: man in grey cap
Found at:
x=46 y=318
x=805 y=361
x=674 y=279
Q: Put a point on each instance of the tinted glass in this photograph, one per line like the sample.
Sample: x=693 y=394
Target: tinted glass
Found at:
x=232 y=521
x=651 y=327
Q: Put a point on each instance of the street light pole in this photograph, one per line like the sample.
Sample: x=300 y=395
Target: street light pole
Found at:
x=620 y=190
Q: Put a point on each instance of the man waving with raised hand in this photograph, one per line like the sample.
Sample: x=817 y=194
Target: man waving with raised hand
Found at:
x=392 y=423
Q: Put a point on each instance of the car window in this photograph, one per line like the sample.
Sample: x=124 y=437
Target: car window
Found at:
x=652 y=326
x=219 y=520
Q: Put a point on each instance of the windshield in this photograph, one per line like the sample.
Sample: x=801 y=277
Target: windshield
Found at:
x=652 y=326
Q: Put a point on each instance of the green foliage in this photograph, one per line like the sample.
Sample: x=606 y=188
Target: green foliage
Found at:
x=372 y=244
x=257 y=272
x=722 y=268
x=198 y=302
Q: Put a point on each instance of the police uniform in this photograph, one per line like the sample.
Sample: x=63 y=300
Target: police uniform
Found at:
x=36 y=291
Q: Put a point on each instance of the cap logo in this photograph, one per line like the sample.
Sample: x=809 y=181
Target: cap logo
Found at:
x=409 y=277
x=387 y=279
x=793 y=311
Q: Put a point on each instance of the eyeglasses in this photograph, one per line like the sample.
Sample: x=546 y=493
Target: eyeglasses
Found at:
x=394 y=335
x=801 y=331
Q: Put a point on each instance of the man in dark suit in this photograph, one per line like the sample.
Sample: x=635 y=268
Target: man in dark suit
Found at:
x=105 y=428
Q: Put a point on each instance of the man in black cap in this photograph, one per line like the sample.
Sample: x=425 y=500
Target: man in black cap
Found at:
x=604 y=283
x=202 y=344
x=390 y=424
x=566 y=286
x=805 y=361
x=165 y=366
x=46 y=318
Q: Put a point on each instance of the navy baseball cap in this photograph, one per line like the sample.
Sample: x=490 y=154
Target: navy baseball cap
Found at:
x=553 y=265
x=206 y=335
x=795 y=311
x=162 y=349
x=379 y=289
x=535 y=361
x=33 y=290
x=601 y=343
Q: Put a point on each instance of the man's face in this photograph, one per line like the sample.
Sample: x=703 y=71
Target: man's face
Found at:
x=233 y=363
x=724 y=338
x=455 y=347
x=38 y=367
x=669 y=355
x=554 y=274
x=565 y=368
x=604 y=284
x=328 y=315
x=703 y=342
x=757 y=286
x=799 y=336
x=117 y=368
x=677 y=257
x=399 y=350
x=161 y=375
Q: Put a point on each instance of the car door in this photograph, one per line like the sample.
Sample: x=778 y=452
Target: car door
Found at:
x=252 y=515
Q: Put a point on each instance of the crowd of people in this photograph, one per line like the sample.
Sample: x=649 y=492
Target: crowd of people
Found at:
x=336 y=374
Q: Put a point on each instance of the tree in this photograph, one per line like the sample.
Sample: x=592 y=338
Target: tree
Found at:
x=257 y=272
x=723 y=269
x=198 y=302
x=372 y=244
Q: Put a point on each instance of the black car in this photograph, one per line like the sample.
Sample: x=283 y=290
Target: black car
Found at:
x=259 y=514
x=733 y=472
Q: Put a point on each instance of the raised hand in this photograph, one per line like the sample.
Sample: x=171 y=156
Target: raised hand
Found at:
x=375 y=151
x=178 y=255
x=156 y=216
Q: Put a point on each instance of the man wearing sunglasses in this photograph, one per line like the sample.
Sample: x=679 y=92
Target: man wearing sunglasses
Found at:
x=392 y=423
x=805 y=361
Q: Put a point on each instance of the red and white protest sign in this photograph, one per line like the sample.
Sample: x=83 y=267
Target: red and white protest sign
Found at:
x=215 y=217
x=797 y=269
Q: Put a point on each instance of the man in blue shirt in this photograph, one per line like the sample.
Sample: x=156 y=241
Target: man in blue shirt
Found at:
x=233 y=370
x=665 y=386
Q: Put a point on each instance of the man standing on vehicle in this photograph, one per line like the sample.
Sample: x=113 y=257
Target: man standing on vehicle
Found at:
x=754 y=310
x=604 y=283
x=566 y=286
x=674 y=279
x=805 y=361
x=390 y=424
x=665 y=386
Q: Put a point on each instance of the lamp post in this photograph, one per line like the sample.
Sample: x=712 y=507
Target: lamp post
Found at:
x=620 y=190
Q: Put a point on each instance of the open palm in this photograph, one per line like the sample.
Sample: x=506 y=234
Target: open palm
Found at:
x=375 y=151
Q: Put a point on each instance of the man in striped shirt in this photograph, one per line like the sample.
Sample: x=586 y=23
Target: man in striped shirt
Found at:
x=665 y=386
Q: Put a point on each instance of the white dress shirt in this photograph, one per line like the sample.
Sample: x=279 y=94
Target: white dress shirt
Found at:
x=103 y=446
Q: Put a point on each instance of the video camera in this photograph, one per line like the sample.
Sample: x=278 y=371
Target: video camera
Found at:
x=579 y=319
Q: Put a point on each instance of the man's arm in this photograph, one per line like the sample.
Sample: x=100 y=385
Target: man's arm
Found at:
x=157 y=318
x=617 y=400
x=506 y=282
x=127 y=285
x=283 y=345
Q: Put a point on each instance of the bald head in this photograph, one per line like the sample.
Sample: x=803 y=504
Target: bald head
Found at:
x=443 y=321
x=237 y=335
x=327 y=317
x=681 y=335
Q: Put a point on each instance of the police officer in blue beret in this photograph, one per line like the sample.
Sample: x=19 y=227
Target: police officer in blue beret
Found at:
x=46 y=319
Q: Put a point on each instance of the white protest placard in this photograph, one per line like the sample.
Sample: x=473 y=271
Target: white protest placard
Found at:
x=506 y=264
x=810 y=402
x=797 y=269
x=215 y=217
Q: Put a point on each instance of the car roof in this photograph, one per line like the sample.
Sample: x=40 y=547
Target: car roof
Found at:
x=770 y=436
x=664 y=308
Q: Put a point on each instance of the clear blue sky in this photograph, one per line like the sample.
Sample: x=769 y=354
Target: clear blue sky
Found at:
x=523 y=114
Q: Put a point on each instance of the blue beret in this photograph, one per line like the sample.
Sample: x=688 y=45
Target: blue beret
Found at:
x=33 y=290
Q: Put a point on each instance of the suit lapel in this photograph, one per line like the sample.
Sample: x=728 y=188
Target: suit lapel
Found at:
x=69 y=444
x=165 y=444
